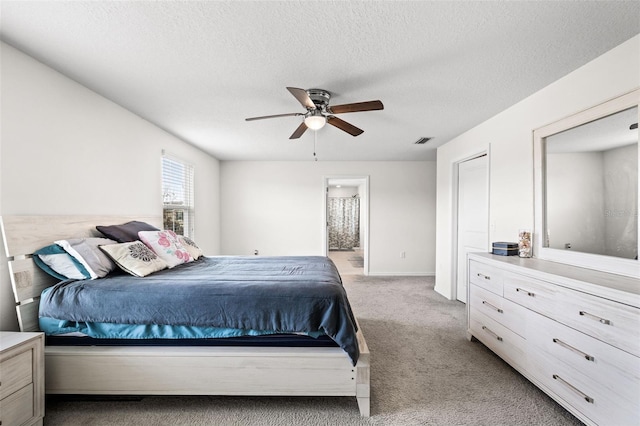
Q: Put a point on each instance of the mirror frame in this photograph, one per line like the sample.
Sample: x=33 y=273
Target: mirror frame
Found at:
x=616 y=265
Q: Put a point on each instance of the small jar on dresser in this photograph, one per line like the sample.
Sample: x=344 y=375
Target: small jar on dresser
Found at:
x=21 y=378
x=573 y=332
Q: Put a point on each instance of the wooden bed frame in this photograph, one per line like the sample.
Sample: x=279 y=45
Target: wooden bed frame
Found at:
x=167 y=370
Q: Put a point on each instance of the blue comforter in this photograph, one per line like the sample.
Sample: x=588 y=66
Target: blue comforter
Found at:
x=283 y=294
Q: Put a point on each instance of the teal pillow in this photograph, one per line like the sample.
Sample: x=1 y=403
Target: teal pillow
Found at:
x=55 y=261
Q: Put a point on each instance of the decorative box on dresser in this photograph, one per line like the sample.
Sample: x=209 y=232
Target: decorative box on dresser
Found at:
x=573 y=332
x=21 y=378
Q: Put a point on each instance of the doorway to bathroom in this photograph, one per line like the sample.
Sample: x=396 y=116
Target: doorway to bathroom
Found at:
x=346 y=223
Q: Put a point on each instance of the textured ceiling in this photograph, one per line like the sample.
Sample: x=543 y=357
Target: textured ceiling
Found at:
x=198 y=68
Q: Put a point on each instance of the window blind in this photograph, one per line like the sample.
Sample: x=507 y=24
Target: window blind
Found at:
x=177 y=196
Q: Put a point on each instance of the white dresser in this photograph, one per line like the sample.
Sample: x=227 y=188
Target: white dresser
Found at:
x=21 y=378
x=573 y=332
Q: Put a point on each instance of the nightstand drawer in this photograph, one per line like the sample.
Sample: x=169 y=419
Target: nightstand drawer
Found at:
x=15 y=373
x=21 y=378
x=486 y=276
x=17 y=408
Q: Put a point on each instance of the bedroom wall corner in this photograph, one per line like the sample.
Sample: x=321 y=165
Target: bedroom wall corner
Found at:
x=67 y=150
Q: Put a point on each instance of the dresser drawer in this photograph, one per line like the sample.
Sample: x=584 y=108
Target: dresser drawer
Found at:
x=17 y=408
x=486 y=276
x=601 y=367
x=501 y=310
x=604 y=402
x=536 y=295
x=504 y=342
x=611 y=322
x=15 y=373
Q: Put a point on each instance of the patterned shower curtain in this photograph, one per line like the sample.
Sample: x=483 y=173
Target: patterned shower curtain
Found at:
x=344 y=223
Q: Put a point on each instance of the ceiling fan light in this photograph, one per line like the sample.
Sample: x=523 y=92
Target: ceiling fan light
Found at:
x=315 y=122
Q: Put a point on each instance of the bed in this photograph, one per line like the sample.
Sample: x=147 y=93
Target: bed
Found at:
x=158 y=369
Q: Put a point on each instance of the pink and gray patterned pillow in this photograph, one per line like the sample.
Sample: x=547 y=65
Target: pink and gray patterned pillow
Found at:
x=167 y=246
x=190 y=245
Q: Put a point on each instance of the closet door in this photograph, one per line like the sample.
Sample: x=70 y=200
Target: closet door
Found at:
x=473 y=216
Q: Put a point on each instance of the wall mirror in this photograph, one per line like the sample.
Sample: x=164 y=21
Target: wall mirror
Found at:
x=586 y=177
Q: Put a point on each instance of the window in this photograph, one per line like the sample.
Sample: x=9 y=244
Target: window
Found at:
x=177 y=195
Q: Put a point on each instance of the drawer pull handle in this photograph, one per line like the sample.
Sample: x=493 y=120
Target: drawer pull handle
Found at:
x=573 y=388
x=595 y=317
x=492 y=333
x=528 y=293
x=571 y=348
x=484 y=302
x=486 y=277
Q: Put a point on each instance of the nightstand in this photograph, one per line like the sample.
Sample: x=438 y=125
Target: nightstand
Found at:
x=21 y=378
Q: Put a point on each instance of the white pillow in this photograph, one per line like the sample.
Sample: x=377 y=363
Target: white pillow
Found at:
x=167 y=246
x=88 y=253
x=134 y=258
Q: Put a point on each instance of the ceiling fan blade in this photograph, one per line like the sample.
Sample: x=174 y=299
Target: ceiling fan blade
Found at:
x=273 y=116
x=343 y=125
x=302 y=96
x=355 y=107
x=299 y=131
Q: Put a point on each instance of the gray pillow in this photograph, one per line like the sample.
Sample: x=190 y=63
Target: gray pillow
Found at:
x=87 y=252
x=126 y=232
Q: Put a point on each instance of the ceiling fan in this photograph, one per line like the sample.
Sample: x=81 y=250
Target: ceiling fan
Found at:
x=319 y=112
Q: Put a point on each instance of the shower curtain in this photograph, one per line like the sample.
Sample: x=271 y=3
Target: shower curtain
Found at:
x=344 y=223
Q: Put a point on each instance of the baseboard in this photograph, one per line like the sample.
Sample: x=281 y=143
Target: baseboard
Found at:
x=401 y=274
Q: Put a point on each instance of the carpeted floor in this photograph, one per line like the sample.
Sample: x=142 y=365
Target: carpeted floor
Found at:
x=424 y=372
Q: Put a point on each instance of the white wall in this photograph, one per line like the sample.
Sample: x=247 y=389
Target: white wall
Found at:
x=509 y=137
x=67 y=150
x=276 y=208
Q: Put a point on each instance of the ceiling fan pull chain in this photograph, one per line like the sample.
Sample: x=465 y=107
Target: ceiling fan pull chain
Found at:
x=315 y=139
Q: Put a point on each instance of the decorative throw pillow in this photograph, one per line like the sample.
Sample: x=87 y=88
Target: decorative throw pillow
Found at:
x=166 y=245
x=134 y=258
x=190 y=246
x=126 y=232
x=87 y=252
x=58 y=263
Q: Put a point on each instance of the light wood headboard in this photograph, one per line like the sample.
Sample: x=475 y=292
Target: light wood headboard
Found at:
x=23 y=235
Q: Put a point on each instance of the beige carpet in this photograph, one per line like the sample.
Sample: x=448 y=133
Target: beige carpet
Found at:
x=424 y=372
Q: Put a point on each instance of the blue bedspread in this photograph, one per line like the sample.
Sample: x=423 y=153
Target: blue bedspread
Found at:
x=283 y=294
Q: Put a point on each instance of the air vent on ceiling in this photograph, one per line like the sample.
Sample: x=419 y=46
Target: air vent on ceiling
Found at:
x=422 y=141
